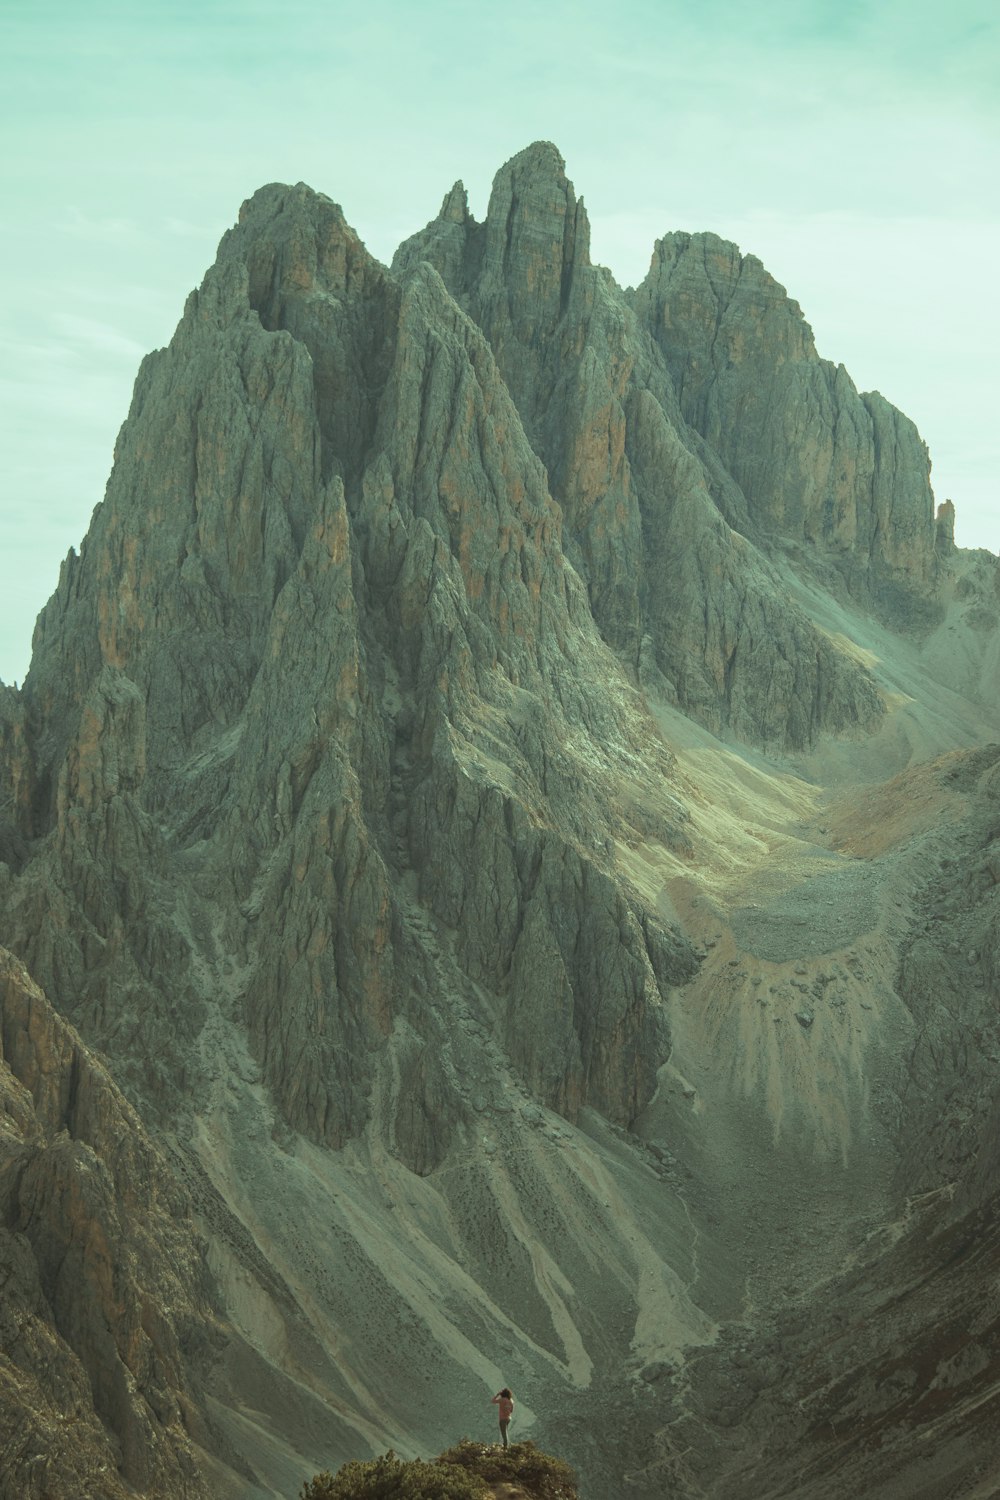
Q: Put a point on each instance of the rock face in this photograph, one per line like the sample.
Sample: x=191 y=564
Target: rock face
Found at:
x=417 y=797
x=817 y=462
x=450 y=695
x=103 y=1281
x=673 y=587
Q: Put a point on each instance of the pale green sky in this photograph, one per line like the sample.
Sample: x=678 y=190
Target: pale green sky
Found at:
x=851 y=145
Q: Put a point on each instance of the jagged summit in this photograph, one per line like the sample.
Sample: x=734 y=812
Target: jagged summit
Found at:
x=455 y=207
x=539 y=168
x=476 y=786
x=749 y=379
x=539 y=157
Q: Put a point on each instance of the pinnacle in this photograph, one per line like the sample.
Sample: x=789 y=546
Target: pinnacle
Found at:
x=455 y=207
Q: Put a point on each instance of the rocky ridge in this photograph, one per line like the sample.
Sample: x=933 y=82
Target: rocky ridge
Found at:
x=679 y=427
x=417 y=794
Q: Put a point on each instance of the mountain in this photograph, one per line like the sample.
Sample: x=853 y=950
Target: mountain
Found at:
x=498 y=863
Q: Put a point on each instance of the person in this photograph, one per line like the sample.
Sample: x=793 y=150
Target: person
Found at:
x=504 y=1402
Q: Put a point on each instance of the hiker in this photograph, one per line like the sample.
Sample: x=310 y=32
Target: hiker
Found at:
x=504 y=1402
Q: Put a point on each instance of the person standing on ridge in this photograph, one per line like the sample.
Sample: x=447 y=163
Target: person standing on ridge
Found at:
x=504 y=1402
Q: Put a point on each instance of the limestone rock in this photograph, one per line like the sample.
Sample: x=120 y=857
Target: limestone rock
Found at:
x=335 y=585
x=362 y=805
x=646 y=502
x=944 y=526
x=17 y=763
x=816 y=461
x=103 y=1281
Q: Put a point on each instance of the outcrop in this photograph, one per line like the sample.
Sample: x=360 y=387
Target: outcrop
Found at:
x=103 y=1285
x=488 y=813
x=816 y=461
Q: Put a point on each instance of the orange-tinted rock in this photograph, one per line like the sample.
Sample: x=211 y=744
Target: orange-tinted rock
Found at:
x=102 y=1275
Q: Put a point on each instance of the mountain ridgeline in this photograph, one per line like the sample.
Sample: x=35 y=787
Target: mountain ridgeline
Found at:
x=497 y=863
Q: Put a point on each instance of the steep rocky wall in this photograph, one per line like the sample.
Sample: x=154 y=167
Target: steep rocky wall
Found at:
x=327 y=555
x=104 y=1290
x=337 y=816
x=845 y=472
x=17 y=766
x=647 y=494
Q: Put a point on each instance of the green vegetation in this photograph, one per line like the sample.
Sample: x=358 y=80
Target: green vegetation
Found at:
x=463 y=1472
x=539 y=1474
x=392 y=1478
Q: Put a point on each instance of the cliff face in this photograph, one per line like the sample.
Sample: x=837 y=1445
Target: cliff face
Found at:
x=653 y=515
x=343 y=645
x=816 y=461
x=366 y=809
x=102 y=1274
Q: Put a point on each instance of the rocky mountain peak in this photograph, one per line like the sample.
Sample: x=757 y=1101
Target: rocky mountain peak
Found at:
x=294 y=239
x=455 y=207
x=524 y=256
x=537 y=239
x=703 y=276
x=816 y=460
x=944 y=523
x=422 y=795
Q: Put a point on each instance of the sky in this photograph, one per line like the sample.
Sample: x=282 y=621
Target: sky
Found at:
x=852 y=145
